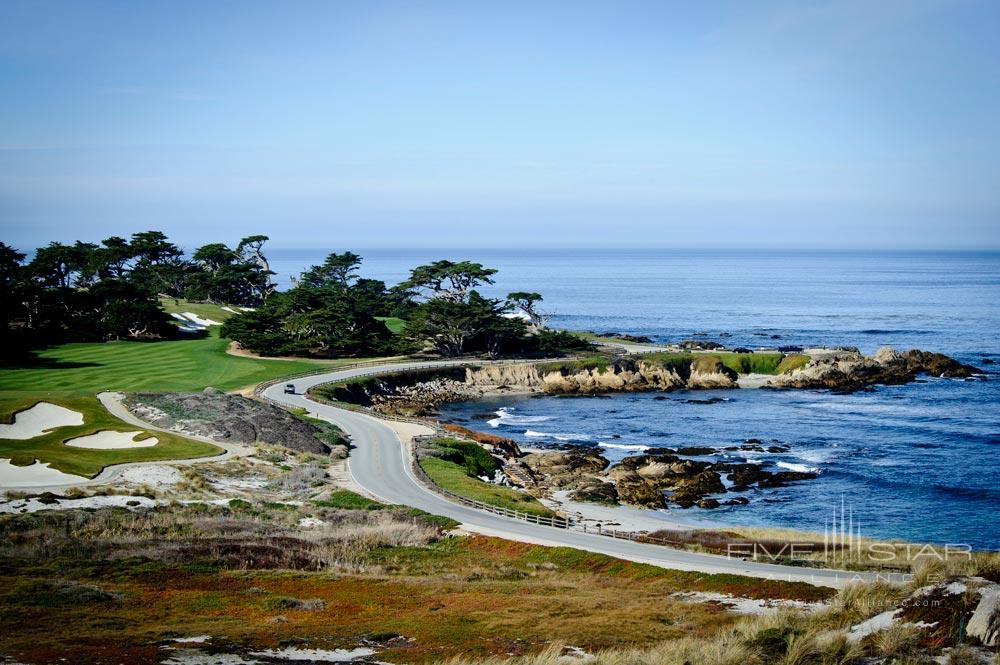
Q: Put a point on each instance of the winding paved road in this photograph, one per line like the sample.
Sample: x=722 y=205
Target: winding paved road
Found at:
x=380 y=463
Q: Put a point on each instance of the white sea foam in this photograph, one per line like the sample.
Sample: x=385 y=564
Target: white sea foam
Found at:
x=623 y=446
x=505 y=417
x=798 y=467
x=570 y=437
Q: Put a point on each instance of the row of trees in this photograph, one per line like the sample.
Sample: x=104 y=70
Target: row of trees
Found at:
x=332 y=311
x=110 y=290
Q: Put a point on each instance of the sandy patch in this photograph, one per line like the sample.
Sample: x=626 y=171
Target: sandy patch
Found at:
x=622 y=518
x=109 y=440
x=33 y=475
x=753 y=380
x=38 y=420
x=737 y=605
x=191 y=656
x=153 y=475
x=34 y=505
x=198 y=321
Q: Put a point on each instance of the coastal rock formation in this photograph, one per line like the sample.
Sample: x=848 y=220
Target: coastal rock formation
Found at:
x=850 y=371
x=420 y=392
x=651 y=480
x=708 y=372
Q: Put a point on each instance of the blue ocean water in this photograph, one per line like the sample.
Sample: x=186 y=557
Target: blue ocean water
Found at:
x=917 y=462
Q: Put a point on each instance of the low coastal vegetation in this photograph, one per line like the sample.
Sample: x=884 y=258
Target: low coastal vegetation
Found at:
x=250 y=577
x=681 y=362
x=457 y=466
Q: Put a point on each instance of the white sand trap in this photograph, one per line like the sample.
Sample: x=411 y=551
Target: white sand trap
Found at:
x=38 y=420
x=33 y=475
x=108 y=440
x=197 y=320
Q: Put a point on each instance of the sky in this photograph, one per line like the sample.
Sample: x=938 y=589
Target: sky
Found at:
x=853 y=124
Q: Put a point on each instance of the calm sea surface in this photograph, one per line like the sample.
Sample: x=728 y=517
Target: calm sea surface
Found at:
x=918 y=462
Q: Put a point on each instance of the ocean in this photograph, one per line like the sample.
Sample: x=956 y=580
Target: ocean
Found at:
x=917 y=462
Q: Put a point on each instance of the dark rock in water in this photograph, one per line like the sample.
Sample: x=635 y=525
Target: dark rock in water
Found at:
x=615 y=436
x=742 y=349
x=753 y=441
x=737 y=501
x=636 y=339
x=781 y=478
x=775 y=336
x=695 y=451
x=777 y=449
x=659 y=398
x=725 y=334
x=790 y=349
x=988 y=361
x=483 y=416
x=708 y=503
x=710 y=400
x=660 y=450
x=699 y=345
x=744 y=475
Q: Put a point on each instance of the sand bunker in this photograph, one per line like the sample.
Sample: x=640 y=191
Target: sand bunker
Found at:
x=38 y=420
x=108 y=440
x=198 y=321
x=33 y=475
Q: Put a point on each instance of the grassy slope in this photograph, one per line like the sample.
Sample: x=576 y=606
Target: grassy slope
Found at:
x=70 y=374
x=395 y=325
x=741 y=363
x=175 y=365
x=453 y=478
x=51 y=447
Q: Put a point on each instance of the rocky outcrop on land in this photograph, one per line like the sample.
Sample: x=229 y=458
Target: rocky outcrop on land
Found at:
x=235 y=419
x=617 y=375
x=965 y=609
x=850 y=371
x=652 y=480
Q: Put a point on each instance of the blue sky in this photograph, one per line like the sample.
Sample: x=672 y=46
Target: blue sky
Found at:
x=463 y=124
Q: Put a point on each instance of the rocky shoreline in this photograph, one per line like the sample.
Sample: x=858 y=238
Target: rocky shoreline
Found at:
x=420 y=393
x=659 y=477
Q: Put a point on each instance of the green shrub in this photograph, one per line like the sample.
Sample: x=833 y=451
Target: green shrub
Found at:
x=348 y=500
x=472 y=456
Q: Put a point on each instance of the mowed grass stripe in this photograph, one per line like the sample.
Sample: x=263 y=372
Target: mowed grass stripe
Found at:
x=176 y=365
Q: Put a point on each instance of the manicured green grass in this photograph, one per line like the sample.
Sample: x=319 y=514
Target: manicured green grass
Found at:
x=51 y=447
x=173 y=365
x=453 y=477
x=395 y=325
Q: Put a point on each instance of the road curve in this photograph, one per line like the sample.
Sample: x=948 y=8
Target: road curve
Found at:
x=380 y=463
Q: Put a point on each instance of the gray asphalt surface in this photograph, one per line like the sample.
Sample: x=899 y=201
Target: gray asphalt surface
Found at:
x=380 y=463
